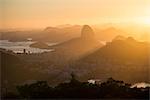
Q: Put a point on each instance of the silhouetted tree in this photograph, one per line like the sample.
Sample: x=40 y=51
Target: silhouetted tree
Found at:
x=40 y=89
x=76 y=89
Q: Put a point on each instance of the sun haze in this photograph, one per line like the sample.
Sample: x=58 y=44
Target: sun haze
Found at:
x=38 y=13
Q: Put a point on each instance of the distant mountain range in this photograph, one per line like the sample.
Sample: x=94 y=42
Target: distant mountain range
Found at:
x=60 y=34
x=49 y=34
x=109 y=33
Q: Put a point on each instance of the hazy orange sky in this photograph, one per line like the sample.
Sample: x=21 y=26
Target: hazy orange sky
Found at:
x=42 y=13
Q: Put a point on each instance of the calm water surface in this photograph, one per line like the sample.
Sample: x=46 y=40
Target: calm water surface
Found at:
x=18 y=47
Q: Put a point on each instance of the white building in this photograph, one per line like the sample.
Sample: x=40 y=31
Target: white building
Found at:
x=95 y=81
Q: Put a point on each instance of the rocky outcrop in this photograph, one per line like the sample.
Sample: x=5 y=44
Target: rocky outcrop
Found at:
x=78 y=47
x=87 y=33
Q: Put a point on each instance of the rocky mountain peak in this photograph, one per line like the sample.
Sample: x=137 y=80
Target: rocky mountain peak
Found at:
x=87 y=32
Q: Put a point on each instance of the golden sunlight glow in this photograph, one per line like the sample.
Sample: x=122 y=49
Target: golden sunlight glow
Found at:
x=42 y=13
x=144 y=20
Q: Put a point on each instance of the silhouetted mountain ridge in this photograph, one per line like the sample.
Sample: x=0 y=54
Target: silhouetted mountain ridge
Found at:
x=120 y=59
x=128 y=49
x=79 y=46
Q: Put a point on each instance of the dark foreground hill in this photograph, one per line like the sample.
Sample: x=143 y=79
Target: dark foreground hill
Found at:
x=110 y=89
x=15 y=71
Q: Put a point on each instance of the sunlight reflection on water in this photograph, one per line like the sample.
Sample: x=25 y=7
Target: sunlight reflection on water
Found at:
x=18 y=47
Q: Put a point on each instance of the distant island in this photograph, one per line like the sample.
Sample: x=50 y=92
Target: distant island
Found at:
x=40 y=45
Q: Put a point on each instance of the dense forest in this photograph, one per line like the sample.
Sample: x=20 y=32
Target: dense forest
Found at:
x=76 y=89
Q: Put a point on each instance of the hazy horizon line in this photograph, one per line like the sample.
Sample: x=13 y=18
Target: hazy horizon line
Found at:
x=68 y=24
